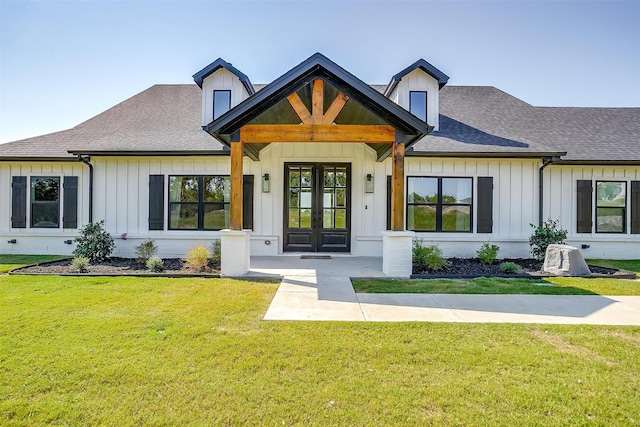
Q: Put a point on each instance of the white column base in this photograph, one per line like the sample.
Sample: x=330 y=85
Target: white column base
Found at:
x=235 y=252
x=397 y=253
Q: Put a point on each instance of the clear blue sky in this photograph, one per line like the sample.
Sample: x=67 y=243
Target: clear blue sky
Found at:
x=62 y=62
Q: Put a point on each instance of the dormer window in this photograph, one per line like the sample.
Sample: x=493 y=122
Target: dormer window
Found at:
x=418 y=104
x=221 y=102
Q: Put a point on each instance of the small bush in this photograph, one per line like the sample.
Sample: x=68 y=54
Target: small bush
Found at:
x=431 y=256
x=198 y=258
x=146 y=250
x=487 y=253
x=94 y=242
x=80 y=264
x=155 y=264
x=545 y=235
x=216 y=250
x=509 y=267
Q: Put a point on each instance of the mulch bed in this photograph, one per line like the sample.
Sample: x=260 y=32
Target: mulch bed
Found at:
x=472 y=267
x=120 y=267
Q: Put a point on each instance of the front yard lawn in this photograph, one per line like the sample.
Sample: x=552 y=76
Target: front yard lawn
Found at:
x=9 y=262
x=157 y=351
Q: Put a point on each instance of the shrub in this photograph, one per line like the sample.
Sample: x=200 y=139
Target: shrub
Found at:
x=80 y=264
x=216 y=250
x=146 y=250
x=198 y=258
x=431 y=256
x=155 y=264
x=94 y=242
x=545 y=235
x=488 y=253
x=509 y=267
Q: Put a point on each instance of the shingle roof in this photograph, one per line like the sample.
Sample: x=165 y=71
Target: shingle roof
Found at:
x=474 y=120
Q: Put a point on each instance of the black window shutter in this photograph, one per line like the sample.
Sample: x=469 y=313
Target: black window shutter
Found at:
x=19 y=202
x=247 y=202
x=388 y=202
x=156 y=202
x=70 y=207
x=585 y=206
x=485 y=205
x=635 y=207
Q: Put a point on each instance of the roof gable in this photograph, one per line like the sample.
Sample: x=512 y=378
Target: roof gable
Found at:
x=215 y=66
x=423 y=65
x=318 y=66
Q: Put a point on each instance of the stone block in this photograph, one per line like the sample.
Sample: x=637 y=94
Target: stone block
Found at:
x=396 y=253
x=235 y=252
x=565 y=260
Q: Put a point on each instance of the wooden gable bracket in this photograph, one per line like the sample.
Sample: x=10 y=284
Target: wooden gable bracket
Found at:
x=317 y=116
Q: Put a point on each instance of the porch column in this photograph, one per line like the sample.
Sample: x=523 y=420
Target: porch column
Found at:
x=397 y=243
x=234 y=243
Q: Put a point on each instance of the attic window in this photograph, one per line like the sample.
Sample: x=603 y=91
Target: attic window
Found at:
x=418 y=104
x=221 y=102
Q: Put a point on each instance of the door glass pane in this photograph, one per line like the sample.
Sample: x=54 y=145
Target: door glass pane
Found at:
x=456 y=218
x=422 y=190
x=294 y=200
x=341 y=177
x=294 y=178
x=341 y=218
x=611 y=194
x=294 y=220
x=305 y=218
x=327 y=201
x=327 y=218
x=456 y=190
x=306 y=177
x=341 y=197
x=329 y=178
x=305 y=198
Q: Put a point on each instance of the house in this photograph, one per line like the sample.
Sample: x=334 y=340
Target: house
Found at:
x=319 y=161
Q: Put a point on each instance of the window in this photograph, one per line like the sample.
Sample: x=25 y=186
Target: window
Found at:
x=418 y=104
x=199 y=202
x=45 y=202
x=611 y=206
x=439 y=204
x=221 y=102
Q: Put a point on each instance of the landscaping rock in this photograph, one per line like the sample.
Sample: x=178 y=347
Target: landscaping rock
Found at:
x=565 y=260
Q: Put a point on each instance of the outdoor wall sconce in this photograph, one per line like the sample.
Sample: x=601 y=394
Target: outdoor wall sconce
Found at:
x=12 y=241
x=368 y=184
x=266 y=185
x=68 y=242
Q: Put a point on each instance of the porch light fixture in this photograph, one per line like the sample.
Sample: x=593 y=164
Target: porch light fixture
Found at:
x=266 y=186
x=368 y=184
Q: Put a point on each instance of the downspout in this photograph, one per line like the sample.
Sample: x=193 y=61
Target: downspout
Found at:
x=546 y=161
x=86 y=161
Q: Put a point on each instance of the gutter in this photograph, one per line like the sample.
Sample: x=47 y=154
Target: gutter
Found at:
x=546 y=161
x=86 y=161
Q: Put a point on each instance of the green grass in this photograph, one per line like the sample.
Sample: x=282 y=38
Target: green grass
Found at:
x=624 y=264
x=158 y=351
x=9 y=262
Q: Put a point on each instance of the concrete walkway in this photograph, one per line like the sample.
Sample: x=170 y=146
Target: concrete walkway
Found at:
x=321 y=290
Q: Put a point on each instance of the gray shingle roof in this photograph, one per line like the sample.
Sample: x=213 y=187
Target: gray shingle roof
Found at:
x=474 y=120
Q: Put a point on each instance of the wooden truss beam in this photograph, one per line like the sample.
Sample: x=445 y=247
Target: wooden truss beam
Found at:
x=318 y=133
x=317 y=116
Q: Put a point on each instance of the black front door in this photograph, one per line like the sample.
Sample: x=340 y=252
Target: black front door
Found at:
x=317 y=205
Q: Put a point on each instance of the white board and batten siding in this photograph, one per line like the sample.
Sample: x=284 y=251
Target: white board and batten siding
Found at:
x=40 y=240
x=560 y=203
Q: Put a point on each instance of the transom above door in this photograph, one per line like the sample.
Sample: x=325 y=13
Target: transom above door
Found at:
x=317 y=210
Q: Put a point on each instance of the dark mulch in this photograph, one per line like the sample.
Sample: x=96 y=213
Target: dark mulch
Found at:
x=118 y=266
x=473 y=267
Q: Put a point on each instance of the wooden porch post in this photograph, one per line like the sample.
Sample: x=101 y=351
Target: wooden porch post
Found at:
x=235 y=222
x=397 y=186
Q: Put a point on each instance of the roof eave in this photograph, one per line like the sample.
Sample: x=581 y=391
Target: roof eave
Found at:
x=221 y=63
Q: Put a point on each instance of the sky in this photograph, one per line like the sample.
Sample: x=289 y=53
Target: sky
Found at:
x=63 y=62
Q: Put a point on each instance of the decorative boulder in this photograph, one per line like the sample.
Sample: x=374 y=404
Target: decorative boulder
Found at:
x=565 y=260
